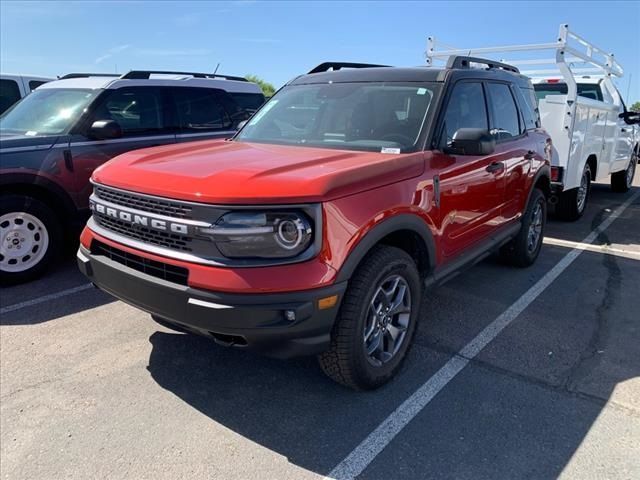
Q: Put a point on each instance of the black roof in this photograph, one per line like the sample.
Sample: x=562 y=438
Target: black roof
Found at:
x=456 y=69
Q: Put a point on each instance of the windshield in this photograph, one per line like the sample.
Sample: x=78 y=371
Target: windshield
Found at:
x=47 y=112
x=353 y=116
x=587 y=90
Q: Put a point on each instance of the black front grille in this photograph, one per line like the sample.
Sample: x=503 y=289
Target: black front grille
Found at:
x=167 y=272
x=162 y=239
x=148 y=204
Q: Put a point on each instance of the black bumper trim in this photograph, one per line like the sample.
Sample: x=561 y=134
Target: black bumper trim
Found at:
x=259 y=319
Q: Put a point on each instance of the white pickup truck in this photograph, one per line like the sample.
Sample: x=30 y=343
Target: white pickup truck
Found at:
x=594 y=136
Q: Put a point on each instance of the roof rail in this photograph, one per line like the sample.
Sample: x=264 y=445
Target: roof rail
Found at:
x=459 y=61
x=326 y=66
x=86 y=75
x=145 y=74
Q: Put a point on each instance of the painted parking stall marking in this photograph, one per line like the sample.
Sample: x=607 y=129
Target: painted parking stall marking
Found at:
x=45 y=298
x=355 y=463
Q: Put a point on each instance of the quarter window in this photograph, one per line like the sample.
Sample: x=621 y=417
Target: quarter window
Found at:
x=138 y=111
x=504 y=119
x=33 y=84
x=200 y=109
x=529 y=108
x=466 y=109
x=9 y=94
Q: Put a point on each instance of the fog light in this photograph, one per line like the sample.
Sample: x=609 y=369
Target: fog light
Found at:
x=290 y=315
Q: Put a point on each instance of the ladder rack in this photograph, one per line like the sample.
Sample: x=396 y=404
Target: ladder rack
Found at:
x=569 y=48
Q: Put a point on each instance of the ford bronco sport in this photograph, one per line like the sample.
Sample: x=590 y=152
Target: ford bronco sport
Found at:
x=318 y=227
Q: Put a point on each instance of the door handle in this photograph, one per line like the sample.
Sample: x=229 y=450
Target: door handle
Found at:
x=495 y=167
x=530 y=155
x=623 y=130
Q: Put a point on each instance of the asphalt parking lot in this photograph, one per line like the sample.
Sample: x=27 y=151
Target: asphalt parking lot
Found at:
x=92 y=388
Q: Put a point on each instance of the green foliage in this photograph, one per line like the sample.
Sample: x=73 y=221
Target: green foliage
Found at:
x=635 y=107
x=267 y=88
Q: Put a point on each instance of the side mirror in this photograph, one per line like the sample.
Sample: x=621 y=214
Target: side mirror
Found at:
x=630 y=118
x=471 y=141
x=105 y=130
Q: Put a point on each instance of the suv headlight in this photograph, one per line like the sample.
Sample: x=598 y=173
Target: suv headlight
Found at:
x=251 y=234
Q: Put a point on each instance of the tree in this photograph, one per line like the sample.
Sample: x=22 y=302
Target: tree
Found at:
x=267 y=88
x=635 y=107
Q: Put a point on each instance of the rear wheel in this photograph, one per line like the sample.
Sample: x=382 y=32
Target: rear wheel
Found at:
x=523 y=250
x=376 y=322
x=572 y=203
x=622 y=181
x=30 y=238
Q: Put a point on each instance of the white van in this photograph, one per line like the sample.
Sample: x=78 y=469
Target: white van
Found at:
x=14 y=87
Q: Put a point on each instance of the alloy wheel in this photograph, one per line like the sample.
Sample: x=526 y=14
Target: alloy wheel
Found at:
x=535 y=228
x=387 y=320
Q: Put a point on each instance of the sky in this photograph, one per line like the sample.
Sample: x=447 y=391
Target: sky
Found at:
x=280 y=40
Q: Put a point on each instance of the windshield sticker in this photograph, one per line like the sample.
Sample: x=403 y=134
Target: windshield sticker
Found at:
x=256 y=118
x=421 y=91
x=394 y=151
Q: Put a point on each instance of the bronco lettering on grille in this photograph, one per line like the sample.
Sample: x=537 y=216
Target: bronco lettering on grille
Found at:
x=139 y=220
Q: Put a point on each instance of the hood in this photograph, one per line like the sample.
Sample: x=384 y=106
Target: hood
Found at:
x=227 y=172
x=10 y=140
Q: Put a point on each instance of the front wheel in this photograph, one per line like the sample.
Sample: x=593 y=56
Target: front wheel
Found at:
x=376 y=321
x=30 y=238
x=622 y=181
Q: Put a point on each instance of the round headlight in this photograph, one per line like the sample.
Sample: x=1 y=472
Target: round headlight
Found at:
x=291 y=232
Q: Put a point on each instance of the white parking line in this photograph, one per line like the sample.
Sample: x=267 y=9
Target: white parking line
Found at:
x=355 y=463
x=608 y=249
x=45 y=298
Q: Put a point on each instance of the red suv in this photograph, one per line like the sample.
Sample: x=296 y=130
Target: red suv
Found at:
x=318 y=227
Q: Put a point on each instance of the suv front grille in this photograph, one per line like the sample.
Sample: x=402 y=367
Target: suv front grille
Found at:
x=162 y=239
x=164 y=271
x=147 y=204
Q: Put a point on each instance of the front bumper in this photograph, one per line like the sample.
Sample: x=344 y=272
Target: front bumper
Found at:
x=258 y=321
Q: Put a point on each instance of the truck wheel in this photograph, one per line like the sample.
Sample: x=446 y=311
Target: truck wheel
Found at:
x=572 y=203
x=376 y=321
x=30 y=237
x=523 y=250
x=622 y=181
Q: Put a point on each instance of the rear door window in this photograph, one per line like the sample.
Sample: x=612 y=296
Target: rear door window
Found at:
x=138 y=111
x=466 y=109
x=201 y=110
x=9 y=94
x=505 y=121
x=248 y=101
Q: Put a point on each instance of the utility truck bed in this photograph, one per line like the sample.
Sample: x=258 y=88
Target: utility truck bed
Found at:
x=594 y=136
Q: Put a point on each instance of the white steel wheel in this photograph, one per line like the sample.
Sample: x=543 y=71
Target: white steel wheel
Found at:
x=24 y=241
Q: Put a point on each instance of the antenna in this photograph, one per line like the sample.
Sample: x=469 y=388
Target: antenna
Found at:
x=217 y=67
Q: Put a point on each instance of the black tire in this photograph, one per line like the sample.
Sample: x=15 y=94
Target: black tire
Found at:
x=170 y=325
x=346 y=361
x=569 y=207
x=521 y=251
x=14 y=204
x=621 y=182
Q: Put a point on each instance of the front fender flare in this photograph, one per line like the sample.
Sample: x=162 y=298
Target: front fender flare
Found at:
x=404 y=221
